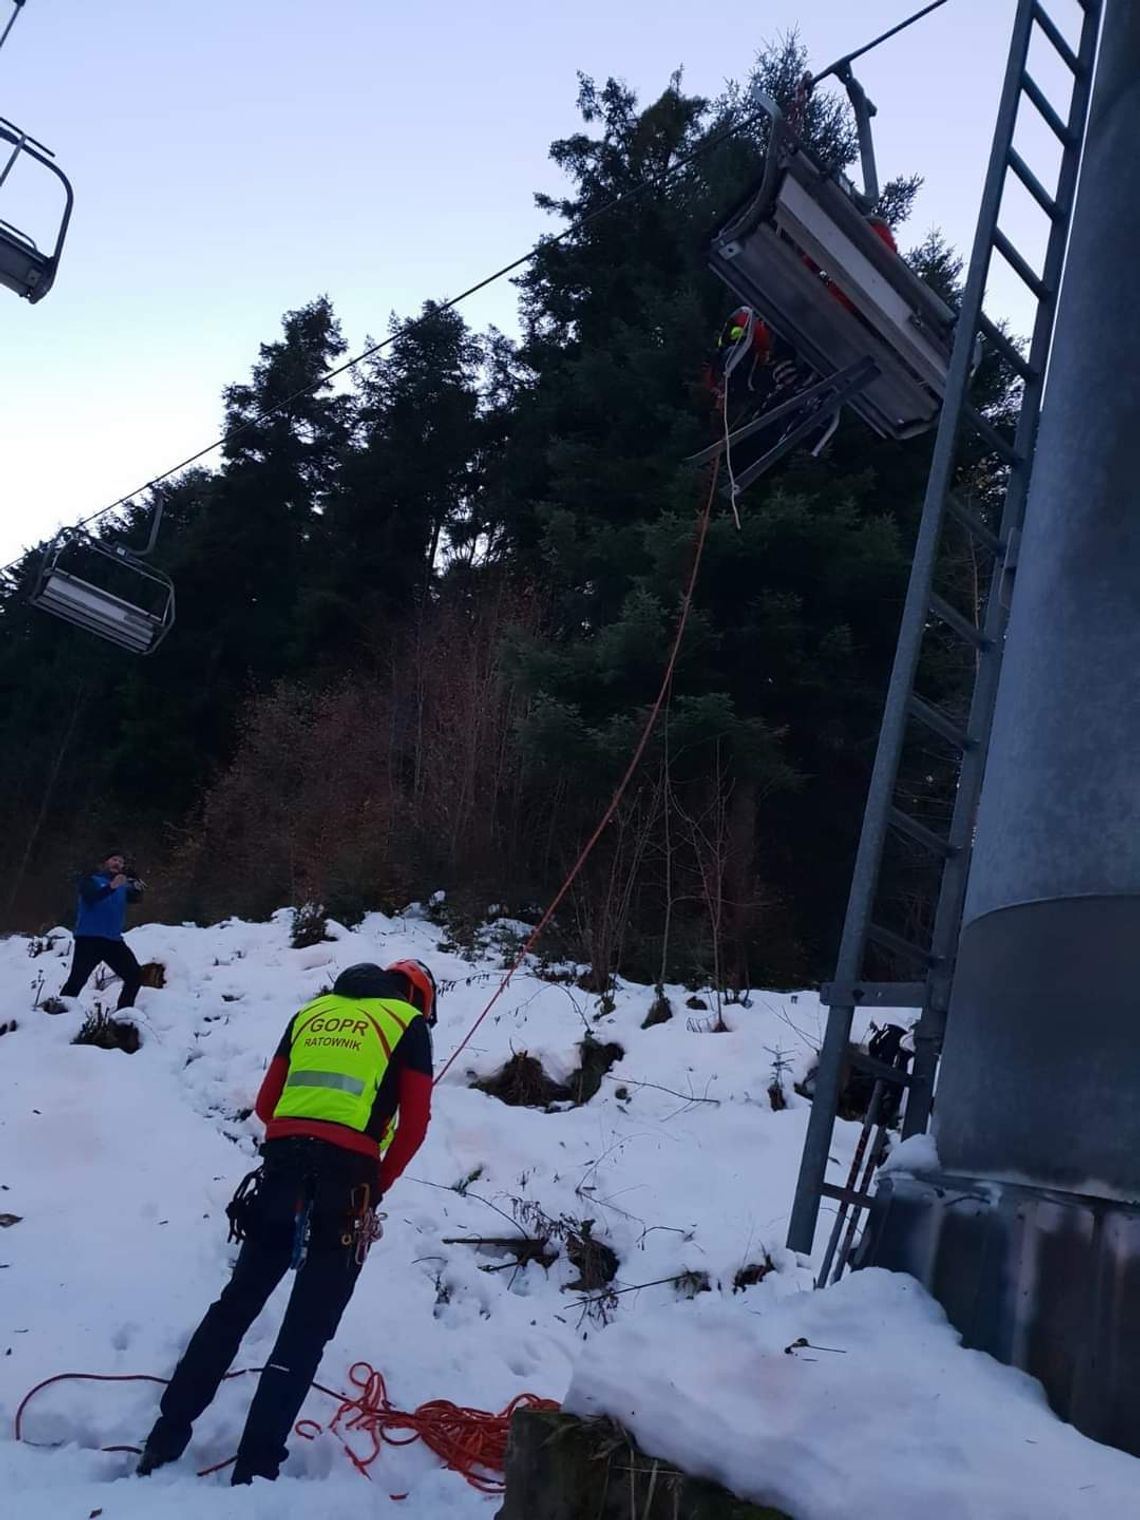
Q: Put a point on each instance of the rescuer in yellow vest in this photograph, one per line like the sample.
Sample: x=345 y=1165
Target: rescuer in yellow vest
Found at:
x=346 y=1103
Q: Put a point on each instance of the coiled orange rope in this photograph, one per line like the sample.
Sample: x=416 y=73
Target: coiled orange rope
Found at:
x=472 y=1442
x=468 y=1441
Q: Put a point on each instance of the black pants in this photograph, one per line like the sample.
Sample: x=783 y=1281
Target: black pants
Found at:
x=90 y=949
x=294 y=1169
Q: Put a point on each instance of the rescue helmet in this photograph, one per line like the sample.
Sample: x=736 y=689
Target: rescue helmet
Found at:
x=365 y=979
x=738 y=325
x=422 y=991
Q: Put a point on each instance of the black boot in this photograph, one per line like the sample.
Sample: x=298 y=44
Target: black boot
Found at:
x=165 y=1444
x=245 y=1470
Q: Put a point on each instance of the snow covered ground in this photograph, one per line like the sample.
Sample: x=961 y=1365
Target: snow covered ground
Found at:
x=119 y=1168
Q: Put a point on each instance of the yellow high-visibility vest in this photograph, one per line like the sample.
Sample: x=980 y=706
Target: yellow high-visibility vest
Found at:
x=339 y=1051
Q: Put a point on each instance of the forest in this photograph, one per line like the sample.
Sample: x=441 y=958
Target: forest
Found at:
x=423 y=611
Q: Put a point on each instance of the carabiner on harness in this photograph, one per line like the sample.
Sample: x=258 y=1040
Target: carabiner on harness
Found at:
x=365 y=1227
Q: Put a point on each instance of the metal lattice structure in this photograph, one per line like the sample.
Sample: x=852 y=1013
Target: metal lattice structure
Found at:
x=930 y=962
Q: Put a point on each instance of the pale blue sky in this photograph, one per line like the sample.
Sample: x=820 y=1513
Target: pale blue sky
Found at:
x=234 y=158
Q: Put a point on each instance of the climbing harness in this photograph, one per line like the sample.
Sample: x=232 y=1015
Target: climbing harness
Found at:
x=242 y=1206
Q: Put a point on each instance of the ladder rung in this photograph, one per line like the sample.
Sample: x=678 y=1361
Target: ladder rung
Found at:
x=873 y=994
x=937 y=721
x=969 y=632
x=989 y=434
x=895 y=943
x=896 y=1075
x=1053 y=32
x=1036 y=189
x=921 y=835
x=974 y=525
x=1006 y=348
x=847 y=1195
x=1048 y=114
x=1018 y=264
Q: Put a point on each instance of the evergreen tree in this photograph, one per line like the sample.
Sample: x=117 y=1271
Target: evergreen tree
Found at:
x=470 y=560
x=410 y=482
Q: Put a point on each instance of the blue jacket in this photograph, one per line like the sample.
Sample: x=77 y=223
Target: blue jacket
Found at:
x=99 y=911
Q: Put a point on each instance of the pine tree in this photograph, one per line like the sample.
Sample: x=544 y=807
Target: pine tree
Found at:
x=409 y=484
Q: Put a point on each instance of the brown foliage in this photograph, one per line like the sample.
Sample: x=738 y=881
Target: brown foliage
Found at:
x=363 y=794
x=306 y=805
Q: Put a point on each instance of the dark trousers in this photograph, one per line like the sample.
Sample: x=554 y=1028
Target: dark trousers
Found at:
x=90 y=949
x=294 y=1170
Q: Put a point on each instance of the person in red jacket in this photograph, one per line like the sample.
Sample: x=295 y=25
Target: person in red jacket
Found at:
x=746 y=342
x=346 y=1104
x=405 y=1088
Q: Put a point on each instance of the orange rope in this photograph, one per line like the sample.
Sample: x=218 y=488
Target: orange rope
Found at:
x=468 y=1441
x=635 y=761
x=472 y=1442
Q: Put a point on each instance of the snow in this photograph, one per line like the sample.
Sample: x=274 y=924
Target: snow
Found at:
x=120 y=1168
x=881 y=1413
x=913 y=1157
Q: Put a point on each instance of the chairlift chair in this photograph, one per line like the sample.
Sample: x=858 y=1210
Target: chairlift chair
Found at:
x=799 y=234
x=24 y=267
x=138 y=622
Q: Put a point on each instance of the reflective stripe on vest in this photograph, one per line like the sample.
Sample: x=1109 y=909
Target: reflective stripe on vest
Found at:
x=325 y=1079
x=340 y=1049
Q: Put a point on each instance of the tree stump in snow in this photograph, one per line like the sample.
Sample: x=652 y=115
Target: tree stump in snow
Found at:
x=560 y=1467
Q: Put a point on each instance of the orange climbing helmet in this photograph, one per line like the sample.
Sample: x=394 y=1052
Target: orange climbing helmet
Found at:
x=422 y=990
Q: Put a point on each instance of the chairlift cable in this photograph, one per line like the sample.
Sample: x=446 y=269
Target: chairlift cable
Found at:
x=654 y=181
x=849 y=58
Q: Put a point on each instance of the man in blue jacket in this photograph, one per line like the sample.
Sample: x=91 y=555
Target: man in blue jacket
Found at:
x=99 y=916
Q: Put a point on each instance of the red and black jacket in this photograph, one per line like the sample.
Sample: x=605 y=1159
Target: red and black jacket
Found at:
x=406 y=1089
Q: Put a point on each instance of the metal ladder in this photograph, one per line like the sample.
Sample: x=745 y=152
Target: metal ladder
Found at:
x=934 y=962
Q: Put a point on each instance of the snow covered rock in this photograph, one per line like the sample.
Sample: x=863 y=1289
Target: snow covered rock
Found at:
x=563 y=1468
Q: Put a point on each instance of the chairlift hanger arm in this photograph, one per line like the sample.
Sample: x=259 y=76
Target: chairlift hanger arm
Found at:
x=863 y=107
x=155 y=523
x=19 y=5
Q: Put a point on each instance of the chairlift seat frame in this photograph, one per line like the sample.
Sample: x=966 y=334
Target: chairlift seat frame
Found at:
x=800 y=415
x=77 y=600
x=25 y=268
x=800 y=213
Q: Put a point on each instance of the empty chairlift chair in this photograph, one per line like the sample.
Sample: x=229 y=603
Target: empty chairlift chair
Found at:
x=801 y=252
x=106 y=589
x=25 y=268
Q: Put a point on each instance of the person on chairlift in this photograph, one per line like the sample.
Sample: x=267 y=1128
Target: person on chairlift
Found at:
x=771 y=371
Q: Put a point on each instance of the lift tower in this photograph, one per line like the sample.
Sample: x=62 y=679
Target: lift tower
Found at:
x=1029 y=1234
